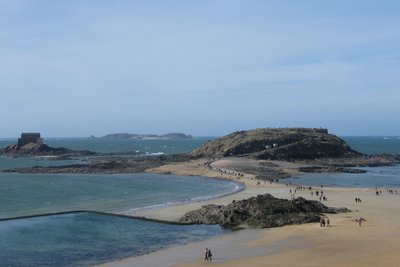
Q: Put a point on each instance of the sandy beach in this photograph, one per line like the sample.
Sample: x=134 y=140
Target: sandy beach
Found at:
x=345 y=243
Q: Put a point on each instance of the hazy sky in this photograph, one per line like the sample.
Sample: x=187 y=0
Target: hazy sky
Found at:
x=76 y=68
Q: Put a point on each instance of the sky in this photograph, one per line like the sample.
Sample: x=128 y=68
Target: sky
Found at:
x=207 y=68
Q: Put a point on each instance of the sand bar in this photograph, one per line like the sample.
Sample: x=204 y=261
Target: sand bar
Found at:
x=375 y=243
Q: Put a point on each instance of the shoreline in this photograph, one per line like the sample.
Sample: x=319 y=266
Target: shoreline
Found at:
x=295 y=245
x=239 y=187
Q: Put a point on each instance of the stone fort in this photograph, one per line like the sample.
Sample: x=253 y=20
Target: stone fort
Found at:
x=27 y=138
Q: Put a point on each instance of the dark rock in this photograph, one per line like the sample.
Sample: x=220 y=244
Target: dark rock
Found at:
x=263 y=211
x=375 y=160
x=33 y=149
x=321 y=169
x=109 y=164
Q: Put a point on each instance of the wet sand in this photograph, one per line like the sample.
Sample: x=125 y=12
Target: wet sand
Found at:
x=375 y=243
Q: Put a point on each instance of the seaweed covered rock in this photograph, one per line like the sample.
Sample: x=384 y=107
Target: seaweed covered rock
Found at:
x=263 y=211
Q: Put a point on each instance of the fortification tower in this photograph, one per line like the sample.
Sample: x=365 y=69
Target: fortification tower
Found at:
x=27 y=138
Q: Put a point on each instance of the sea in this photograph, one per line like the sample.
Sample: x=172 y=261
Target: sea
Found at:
x=72 y=219
x=382 y=177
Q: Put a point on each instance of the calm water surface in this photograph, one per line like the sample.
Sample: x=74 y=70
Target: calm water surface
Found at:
x=84 y=239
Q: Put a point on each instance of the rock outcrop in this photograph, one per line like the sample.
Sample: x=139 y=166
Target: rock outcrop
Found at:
x=108 y=164
x=263 y=211
x=33 y=149
x=277 y=144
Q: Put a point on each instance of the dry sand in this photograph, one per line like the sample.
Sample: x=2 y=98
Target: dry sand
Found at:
x=375 y=243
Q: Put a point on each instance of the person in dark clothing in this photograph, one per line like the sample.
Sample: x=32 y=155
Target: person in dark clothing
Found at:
x=209 y=255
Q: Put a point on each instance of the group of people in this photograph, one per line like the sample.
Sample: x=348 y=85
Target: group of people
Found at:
x=392 y=192
x=318 y=193
x=208 y=255
x=238 y=174
x=324 y=223
x=389 y=190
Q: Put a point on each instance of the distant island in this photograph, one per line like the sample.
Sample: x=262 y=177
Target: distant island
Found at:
x=144 y=136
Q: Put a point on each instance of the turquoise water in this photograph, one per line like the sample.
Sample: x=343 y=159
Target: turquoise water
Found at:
x=388 y=177
x=32 y=194
x=96 y=238
x=7 y=162
x=374 y=144
x=375 y=177
x=84 y=239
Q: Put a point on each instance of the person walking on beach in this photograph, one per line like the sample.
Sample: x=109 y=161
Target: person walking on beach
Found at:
x=209 y=255
x=360 y=220
x=206 y=255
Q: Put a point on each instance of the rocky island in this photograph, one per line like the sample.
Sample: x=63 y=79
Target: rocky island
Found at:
x=314 y=149
x=31 y=144
x=278 y=144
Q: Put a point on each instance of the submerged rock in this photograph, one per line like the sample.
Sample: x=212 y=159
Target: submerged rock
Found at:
x=263 y=211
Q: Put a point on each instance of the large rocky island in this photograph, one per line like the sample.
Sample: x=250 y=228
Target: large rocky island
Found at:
x=313 y=148
x=278 y=144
